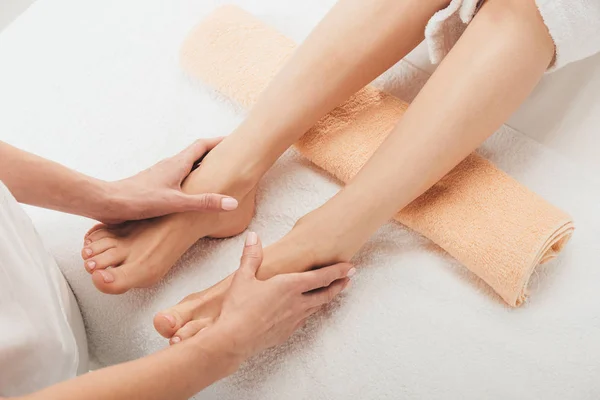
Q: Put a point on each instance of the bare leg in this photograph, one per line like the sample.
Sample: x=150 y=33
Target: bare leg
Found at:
x=350 y=47
x=495 y=65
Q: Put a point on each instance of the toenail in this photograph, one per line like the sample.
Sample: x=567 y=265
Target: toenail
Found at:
x=88 y=252
x=91 y=265
x=351 y=272
x=175 y=339
x=171 y=320
x=108 y=278
x=347 y=285
x=88 y=241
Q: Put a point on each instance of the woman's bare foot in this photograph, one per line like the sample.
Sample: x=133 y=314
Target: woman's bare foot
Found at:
x=192 y=314
x=140 y=253
x=298 y=251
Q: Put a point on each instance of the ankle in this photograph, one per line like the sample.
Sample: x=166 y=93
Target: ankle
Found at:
x=214 y=178
x=304 y=248
x=227 y=169
x=323 y=242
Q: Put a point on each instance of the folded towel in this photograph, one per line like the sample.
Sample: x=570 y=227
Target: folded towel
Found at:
x=489 y=222
x=573 y=25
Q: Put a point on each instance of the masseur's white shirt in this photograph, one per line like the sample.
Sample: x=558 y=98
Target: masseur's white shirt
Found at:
x=42 y=338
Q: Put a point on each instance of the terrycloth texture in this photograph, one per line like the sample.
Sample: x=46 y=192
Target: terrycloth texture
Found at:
x=573 y=24
x=489 y=222
x=446 y=26
x=104 y=78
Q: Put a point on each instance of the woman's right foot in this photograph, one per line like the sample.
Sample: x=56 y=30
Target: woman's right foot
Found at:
x=138 y=254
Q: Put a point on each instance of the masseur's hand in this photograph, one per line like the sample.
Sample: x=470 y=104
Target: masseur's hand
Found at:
x=258 y=314
x=157 y=190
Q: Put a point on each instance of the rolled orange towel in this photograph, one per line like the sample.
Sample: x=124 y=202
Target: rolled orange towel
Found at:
x=489 y=222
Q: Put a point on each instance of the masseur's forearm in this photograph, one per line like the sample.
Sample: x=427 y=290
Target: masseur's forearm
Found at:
x=177 y=372
x=40 y=182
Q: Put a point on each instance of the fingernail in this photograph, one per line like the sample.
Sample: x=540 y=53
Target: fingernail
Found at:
x=229 y=203
x=91 y=265
x=88 y=252
x=351 y=272
x=175 y=339
x=107 y=276
x=171 y=319
x=88 y=241
x=251 y=239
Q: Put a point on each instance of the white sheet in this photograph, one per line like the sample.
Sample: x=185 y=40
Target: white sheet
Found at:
x=96 y=85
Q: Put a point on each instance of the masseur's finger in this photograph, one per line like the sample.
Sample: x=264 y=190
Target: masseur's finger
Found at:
x=300 y=324
x=322 y=277
x=325 y=295
x=204 y=202
x=195 y=151
x=252 y=256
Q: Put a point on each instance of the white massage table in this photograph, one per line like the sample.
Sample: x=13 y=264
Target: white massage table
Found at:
x=96 y=85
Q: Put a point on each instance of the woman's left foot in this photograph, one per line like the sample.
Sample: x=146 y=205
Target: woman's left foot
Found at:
x=295 y=252
x=192 y=314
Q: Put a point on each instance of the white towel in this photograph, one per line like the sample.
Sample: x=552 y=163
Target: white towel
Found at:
x=573 y=24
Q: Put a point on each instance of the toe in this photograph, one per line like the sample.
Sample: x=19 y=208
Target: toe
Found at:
x=169 y=321
x=112 y=257
x=190 y=329
x=96 y=247
x=166 y=324
x=118 y=280
x=104 y=280
x=95 y=228
x=98 y=235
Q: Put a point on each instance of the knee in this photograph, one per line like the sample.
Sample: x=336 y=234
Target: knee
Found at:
x=518 y=14
x=498 y=11
x=517 y=20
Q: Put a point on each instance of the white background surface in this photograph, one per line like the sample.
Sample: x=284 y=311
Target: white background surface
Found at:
x=10 y=9
x=96 y=85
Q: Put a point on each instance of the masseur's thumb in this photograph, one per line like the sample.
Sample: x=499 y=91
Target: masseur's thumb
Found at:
x=252 y=255
x=206 y=202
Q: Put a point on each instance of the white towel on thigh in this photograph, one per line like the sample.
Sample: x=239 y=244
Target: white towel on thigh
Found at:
x=573 y=24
